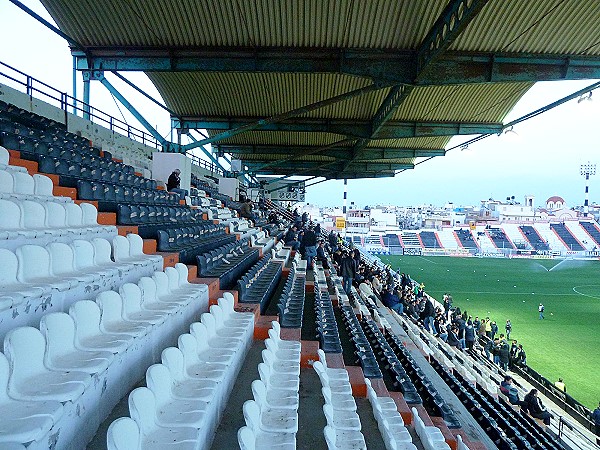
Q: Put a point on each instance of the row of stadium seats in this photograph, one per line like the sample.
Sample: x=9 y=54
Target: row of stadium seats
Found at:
x=258 y=285
x=362 y=348
x=17 y=185
x=291 y=300
x=109 y=195
x=151 y=218
x=190 y=242
x=187 y=392
x=327 y=330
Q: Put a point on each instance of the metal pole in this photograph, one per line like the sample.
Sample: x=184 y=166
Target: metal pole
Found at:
x=587 y=170
x=74 y=86
x=86 y=98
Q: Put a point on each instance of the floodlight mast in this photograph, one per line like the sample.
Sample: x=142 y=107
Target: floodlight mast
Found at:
x=586 y=170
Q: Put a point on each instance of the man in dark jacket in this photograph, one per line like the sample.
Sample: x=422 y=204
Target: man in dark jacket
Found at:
x=507 y=388
x=291 y=238
x=469 y=335
x=173 y=184
x=535 y=407
x=347 y=271
x=321 y=256
x=392 y=301
x=428 y=316
x=310 y=246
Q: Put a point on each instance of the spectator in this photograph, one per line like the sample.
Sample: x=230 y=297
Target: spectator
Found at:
x=333 y=241
x=291 y=238
x=246 y=211
x=507 y=388
x=503 y=353
x=535 y=407
x=347 y=271
x=488 y=327
x=452 y=336
x=508 y=328
x=310 y=246
x=428 y=316
x=391 y=300
x=174 y=183
x=494 y=329
x=321 y=256
x=470 y=335
x=596 y=420
x=541 y=311
x=560 y=385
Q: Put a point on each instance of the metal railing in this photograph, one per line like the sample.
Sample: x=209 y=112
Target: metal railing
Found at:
x=43 y=91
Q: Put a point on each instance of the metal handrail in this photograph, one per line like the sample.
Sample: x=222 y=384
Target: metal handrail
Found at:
x=65 y=101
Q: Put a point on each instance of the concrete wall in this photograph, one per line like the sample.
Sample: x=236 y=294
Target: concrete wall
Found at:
x=163 y=164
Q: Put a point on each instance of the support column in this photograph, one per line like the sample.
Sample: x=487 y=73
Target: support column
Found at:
x=587 y=170
x=74 y=93
x=86 y=96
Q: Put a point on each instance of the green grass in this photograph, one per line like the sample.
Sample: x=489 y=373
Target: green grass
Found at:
x=566 y=344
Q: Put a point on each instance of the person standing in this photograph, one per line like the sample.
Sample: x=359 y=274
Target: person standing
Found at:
x=469 y=335
x=560 y=385
x=347 y=271
x=508 y=329
x=541 y=311
x=310 y=246
x=494 y=329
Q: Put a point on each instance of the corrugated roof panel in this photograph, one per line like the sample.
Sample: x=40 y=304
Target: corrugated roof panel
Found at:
x=287 y=138
x=465 y=103
x=535 y=26
x=271 y=157
x=420 y=142
x=294 y=23
x=263 y=94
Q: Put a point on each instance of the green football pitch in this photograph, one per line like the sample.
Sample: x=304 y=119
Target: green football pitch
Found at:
x=565 y=344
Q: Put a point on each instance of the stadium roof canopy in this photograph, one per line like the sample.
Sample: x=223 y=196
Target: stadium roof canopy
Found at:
x=336 y=88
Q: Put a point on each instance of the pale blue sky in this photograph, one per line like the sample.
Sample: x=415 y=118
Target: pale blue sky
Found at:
x=544 y=160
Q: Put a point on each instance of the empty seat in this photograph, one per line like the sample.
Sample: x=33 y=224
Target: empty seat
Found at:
x=44 y=188
x=88 y=336
x=123 y=434
x=29 y=378
x=112 y=320
x=34 y=268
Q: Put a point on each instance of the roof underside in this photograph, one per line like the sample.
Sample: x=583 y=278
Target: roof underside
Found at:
x=407 y=75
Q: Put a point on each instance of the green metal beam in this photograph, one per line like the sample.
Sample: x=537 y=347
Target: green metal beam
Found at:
x=368 y=153
x=349 y=128
x=356 y=166
x=450 y=24
x=393 y=67
x=286 y=115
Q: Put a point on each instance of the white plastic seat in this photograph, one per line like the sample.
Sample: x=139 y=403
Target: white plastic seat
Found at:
x=227 y=305
x=29 y=378
x=23 y=421
x=102 y=258
x=275 y=398
x=194 y=367
x=136 y=249
x=34 y=268
x=183 y=280
x=341 y=419
x=276 y=420
x=122 y=253
x=273 y=343
x=23 y=184
x=83 y=252
x=10 y=286
x=185 y=386
x=344 y=439
x=265 y=439
x=172 y=411
x=33 y=220
x=294 y=345
x=278 y=380
x=210 y=354
x=132 y=306
x=56 y=220
x=111 y=319
x=44 y=187
x=280 y=432
x=333 y=374
x=142 y=407
x=163 y=293
x=336 y=386
x=233 y=329
x=343 y=402
x=150 y=300
x=62 y=265
x=219 y=337
x=59 y=331
x=278 y=366
x=10 y=220
x=86 y=315
x=7 y=183
x=90 y=219
x=176 y=290
x=123 y=434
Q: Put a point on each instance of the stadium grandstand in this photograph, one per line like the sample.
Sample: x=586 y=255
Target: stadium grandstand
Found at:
x=145 y=303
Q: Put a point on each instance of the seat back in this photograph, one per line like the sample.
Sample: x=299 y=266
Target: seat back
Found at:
x=24 y=183
x=43 y=185
x=74 y=215
x=62 y=258
x=210 y=323
x=10 y=267
x=34 y=215
x=123 y=434
x=90 y=214
x=172 y=358
x=142 y=409
x=102 y=251
x=59 y=331
x=4 y=156
x=136 y=244
x=219 y=316
x=84 y=254
x=34 y=262
x=120 y=247
x=198 y=330
x=246 y=439
x=158 y=380
x=251 y=414
x=56 y=216
x=148 y=289
x=183 y=273
x=173 y=277
x=4 y=375
x=132 y=298
x=111 y=307
x=187 y=344
x=24 y=347
x=162 y=284
x=86 y=315
x=10 y=215
x=7 y=182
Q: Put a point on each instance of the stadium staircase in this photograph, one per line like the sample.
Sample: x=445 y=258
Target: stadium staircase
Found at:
x=447 y=238
x=549 y=235
x=485 y=243
x=410 y=239
x=577 y=230
x=534 y=239
x=591 y=228
x=566 y=237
